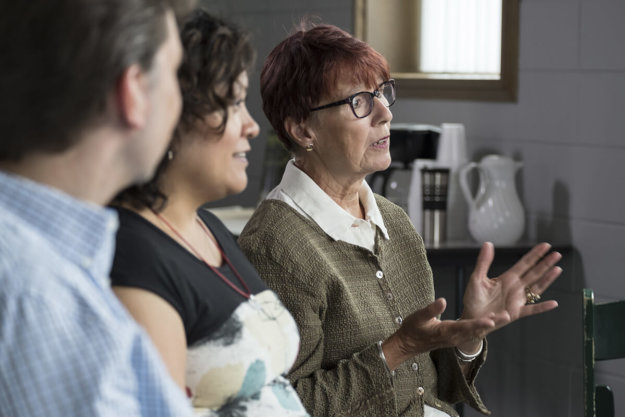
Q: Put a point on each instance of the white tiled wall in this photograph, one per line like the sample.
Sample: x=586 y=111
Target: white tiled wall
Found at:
x=568 y=127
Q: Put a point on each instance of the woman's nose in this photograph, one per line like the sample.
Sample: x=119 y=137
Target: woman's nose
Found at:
x=381 y=113
x=251 y=128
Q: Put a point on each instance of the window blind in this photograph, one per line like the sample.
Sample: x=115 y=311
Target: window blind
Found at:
x=461 y=36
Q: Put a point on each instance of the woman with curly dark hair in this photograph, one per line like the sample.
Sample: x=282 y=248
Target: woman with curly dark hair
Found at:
x=226 y=339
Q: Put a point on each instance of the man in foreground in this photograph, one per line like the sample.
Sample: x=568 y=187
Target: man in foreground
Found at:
x=89 y=100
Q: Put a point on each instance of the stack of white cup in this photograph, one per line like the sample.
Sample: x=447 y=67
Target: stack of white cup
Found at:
x=452 y=153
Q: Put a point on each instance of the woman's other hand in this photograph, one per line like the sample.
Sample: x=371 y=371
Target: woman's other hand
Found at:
x=422 y=331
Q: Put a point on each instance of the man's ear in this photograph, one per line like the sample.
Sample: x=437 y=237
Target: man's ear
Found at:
x=300 y=132
x=132 y=96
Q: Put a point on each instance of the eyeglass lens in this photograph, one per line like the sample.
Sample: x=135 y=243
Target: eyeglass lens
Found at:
x=362 y=103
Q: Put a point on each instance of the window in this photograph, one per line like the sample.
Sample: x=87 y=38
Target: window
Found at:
x=449 y=49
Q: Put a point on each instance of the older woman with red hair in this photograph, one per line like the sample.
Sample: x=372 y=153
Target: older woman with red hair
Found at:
x=349 y=265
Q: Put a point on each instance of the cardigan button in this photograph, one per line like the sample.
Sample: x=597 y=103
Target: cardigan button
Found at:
x=389 y=296
x=415 y=366
x=398 y=319
x=379 y=275
x=420 y=391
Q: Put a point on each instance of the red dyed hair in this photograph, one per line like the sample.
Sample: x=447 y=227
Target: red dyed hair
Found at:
x=304 y=67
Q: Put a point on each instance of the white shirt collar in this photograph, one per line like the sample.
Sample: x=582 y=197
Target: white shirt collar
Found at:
x=301 y=192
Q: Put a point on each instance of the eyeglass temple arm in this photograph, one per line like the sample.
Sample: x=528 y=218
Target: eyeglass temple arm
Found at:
x=336 y=103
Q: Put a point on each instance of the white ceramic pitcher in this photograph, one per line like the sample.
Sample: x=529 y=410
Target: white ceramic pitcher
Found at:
x=495 y=213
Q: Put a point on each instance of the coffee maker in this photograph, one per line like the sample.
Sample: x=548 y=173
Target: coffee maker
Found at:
x=409 y=142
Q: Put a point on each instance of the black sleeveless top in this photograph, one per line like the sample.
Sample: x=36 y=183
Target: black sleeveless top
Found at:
x=238 y=350
x=149 y=259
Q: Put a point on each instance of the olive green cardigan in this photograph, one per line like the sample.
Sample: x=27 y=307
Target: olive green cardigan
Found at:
x=345 y=299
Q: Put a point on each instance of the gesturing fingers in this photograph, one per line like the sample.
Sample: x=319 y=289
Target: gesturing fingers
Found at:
x=542 y=307
x=471 y=329
x=543 y=281
x=545 y=268
x=535 y=289
x=530 y=259
x=431 y=310
x=484 y=259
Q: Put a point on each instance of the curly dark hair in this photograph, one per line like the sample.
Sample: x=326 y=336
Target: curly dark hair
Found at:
x=216 y=52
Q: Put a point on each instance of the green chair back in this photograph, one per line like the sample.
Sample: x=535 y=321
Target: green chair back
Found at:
x=604 y=339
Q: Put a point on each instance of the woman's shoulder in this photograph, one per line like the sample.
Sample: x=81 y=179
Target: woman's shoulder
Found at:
x=219 y=229
x=388 y=207
x=392 y=214
x=136 y=234
x=142 y=254
x=275 y=218
x=278 y=231
x=397 y=223
x=274 y=209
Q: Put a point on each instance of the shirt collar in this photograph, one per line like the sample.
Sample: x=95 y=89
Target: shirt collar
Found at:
x=82 y=232
x=331 y=217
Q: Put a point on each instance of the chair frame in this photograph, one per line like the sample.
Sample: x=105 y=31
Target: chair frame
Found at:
x=604 y=339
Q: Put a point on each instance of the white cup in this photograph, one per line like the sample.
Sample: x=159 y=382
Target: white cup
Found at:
x=452 y=145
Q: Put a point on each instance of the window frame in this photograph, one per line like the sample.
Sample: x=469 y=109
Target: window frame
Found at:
x=422 y=85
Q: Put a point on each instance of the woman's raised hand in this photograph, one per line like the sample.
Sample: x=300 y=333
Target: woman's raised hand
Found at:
x=508 y=297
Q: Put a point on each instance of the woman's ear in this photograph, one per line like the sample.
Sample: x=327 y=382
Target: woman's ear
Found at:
x=299 y=132
x=132 y=97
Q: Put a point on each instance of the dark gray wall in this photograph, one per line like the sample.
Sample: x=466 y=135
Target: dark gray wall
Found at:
x=568 y=128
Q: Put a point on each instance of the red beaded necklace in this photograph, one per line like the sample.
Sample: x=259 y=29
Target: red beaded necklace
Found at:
x=247 y=294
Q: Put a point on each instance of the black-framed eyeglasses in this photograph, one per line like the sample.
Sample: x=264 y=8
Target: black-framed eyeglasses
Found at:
x=362 y=102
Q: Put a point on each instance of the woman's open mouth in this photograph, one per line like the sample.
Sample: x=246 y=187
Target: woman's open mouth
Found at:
x=382 y=143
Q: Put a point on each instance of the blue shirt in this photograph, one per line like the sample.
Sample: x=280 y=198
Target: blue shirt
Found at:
x=67 y=346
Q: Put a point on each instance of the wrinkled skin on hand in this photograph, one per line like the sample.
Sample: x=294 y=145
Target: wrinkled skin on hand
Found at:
x=489 y=304
x=503 y=298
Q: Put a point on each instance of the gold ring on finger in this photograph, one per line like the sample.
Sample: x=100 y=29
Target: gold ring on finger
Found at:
x=530 y=296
